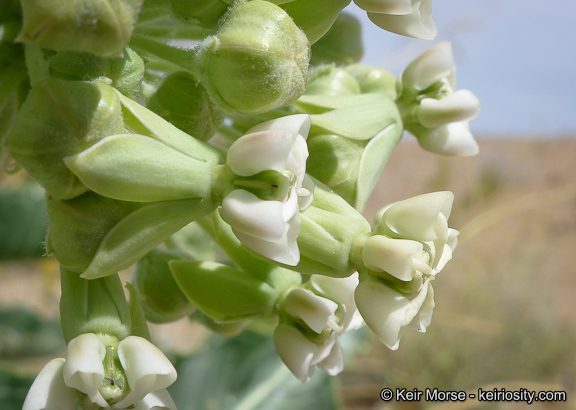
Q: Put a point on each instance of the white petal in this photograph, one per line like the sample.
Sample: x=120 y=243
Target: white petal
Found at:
x=340 y=290
x=386 y=6
x=393 y=256
x=305 y=193
x=298 y=124
x=429 y=67
x=461 y=105
x=424 y=317
x=314 y=310
x=416 y=217
x=247 y=213
x=49 y=390
x=387 y=312
x=160 y=399
x=260 y=151
x=296 y=162
x=333 y=364
x=146 y=368
x=83 y=369
x=295 y=350
x=450 y=139
x=417 y=24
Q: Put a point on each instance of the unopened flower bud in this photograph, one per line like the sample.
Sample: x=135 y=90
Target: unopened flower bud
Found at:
x=61 y=118
x=373 y=80
x=125 y=73
x=182 y=100
x=331 y=80
x=162 y=299
x=94 y=26
x=342 y=44
x=257 y=61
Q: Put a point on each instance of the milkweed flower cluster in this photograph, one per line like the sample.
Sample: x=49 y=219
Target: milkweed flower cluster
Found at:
x=247 y=137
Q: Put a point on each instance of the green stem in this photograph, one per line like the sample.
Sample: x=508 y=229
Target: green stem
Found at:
x=184 y=59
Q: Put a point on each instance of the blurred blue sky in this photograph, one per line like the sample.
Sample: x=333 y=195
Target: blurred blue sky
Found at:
x=517 y=56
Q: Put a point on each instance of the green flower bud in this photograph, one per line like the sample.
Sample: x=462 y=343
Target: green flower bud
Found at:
x=61 y=118
x=227 y=329
x=162 y=299
x=328 y=235
x=342 y=44
x=257 y=62
x=125 y=72
x=373 y=80
x=181 y=100
x=223 y=293
x=93 y=306
x=330 y=80
x=93 y=26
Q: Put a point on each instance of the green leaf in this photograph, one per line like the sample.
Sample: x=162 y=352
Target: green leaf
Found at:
x=13 y=390
x=245 y=373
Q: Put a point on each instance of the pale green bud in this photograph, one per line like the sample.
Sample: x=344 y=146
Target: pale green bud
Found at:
x=373 y=80
x=182 y=100
x=342 y=44
x=329 y=235
x=61 y=118
x=125 y=73
x=257 y=61
x=162 y=299
x=331 y=80
x=223 y=293
x=94 y=26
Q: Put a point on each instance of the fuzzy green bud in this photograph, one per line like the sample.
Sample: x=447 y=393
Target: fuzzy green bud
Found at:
x=94 y=26
x=61 y=118
x=373 y=80
x=182 y=100
x=342 y=44
x=331 y=80
x=125 y=73
x=257 y=61
x=162 y=299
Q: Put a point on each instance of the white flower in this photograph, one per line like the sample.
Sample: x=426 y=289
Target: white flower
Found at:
x=271 y=227
x=411 y=245
x=324 y=313
x=431 y=110
x=411 y=18
x=90 y=369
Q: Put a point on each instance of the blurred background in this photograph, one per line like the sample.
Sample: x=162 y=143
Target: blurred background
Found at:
x=505 y=305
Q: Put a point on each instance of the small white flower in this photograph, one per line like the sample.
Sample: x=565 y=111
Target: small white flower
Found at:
x=271 y=227
x=411 y=18
x=436 y=114
x=147 y=374
x=326 y=311
x=410 y=246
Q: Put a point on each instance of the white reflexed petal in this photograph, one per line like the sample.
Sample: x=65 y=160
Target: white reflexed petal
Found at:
x=314 y=310
x=83 y=369
x=450 y=139
x=305 y=193
x=160 y=399
x=416 y=217
x=394 y=256
x=296 y=351
x=298 y=124
x=461 y=105
x=429 y=67
x=340 y=290
x=260 y=151
x=49 y=390
x=296 y=162
x=247 y=213
x=386 y=6
x=424 y=317
x=386 y=311
x=417 y=24
x=146 y=368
